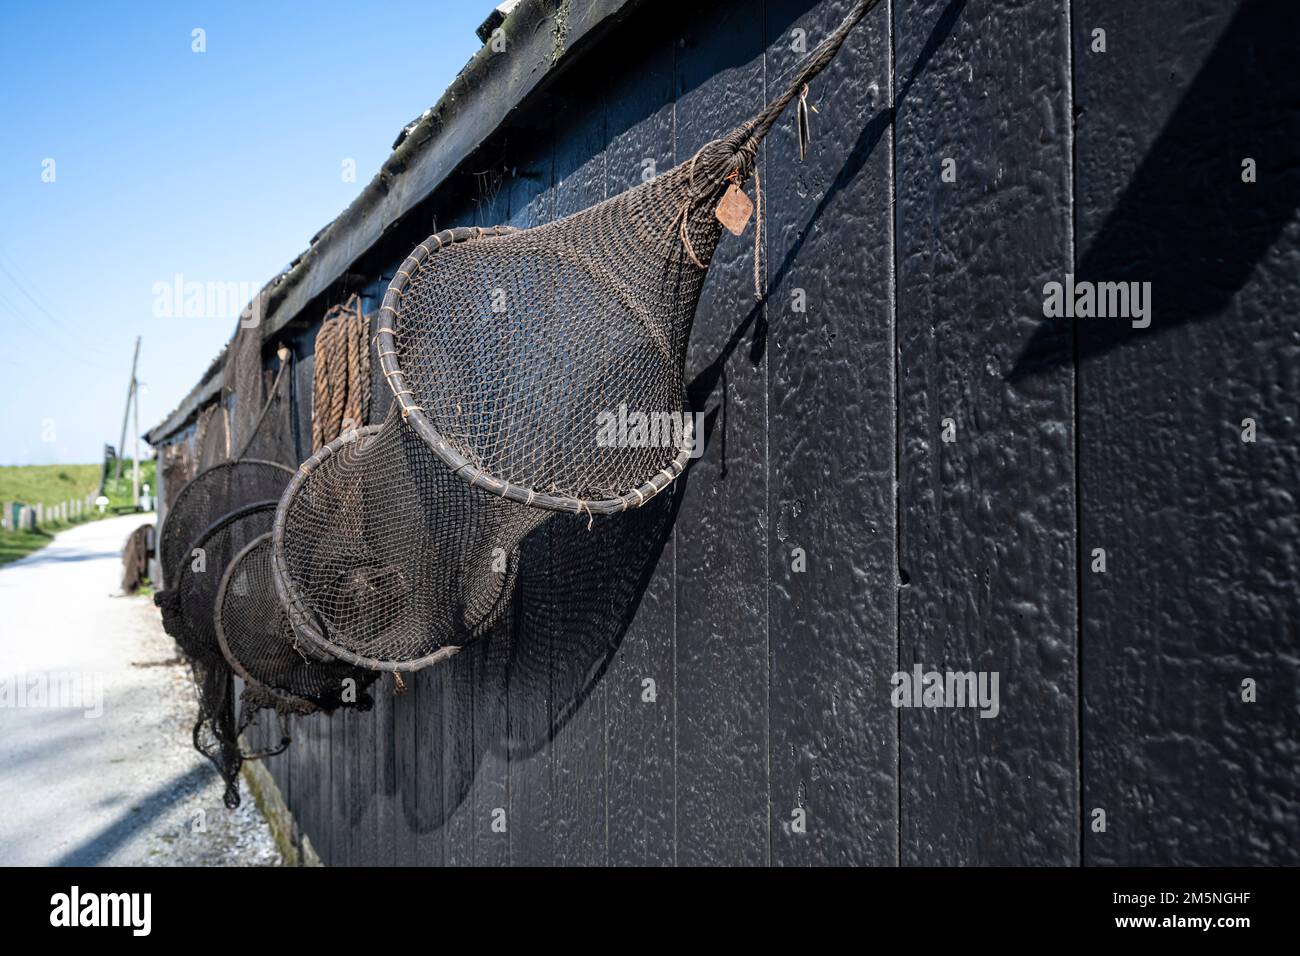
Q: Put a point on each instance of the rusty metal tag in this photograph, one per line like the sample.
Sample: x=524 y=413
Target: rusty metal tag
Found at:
x=735 y=209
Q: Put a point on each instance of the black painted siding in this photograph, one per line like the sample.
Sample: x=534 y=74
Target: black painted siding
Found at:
x=830 y=535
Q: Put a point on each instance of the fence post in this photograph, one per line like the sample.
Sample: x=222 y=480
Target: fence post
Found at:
x=6 y=519
x=26 y=519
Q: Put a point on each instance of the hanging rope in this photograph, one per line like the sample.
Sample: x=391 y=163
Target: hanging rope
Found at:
x=341 y=380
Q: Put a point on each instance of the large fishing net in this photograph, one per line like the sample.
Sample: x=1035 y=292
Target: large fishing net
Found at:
x=190 y=620
x=534 y=371
x=253 y=632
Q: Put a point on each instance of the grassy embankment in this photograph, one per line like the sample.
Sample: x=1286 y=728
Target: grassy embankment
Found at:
x=50 y=484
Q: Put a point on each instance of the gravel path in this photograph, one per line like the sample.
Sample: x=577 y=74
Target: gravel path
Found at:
x=118 y=784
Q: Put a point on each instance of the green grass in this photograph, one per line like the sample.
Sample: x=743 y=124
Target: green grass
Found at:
x=47 y=484
x=19 y=544
x=51 y=484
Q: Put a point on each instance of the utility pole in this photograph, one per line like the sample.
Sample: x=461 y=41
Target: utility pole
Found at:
x=135 y=458
x=126 y=413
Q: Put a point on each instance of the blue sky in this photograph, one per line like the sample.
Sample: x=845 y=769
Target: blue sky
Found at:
x=218 y=166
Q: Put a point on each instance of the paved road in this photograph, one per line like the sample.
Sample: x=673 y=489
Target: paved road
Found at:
x=96 y=766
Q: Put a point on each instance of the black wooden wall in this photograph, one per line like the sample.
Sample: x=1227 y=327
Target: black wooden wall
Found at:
x=1121 y=691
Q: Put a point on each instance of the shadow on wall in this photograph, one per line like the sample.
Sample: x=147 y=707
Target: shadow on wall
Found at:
x=1185 y=223
x=577 y=595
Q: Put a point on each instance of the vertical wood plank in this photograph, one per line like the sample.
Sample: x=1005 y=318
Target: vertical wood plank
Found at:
x=429 y=808
x=987 y=521
x=721 y=545
x=1198 y=527
x=456 y=680
x=639 y=125
x=831 y=447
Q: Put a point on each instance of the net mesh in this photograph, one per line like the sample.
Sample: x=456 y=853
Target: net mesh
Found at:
x=212 y=493
x=546 y=365
x=253 y=632
x=190 y=620
x=385 y=558
x=212 y=436
x=552 y=359
x=271 y=434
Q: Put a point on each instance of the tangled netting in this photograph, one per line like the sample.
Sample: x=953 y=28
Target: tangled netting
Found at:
x=177 y=464
x=190 y=620
x=253 y=631
x=535 y=371
x=387 y=560
x=269 y=436
x=212 y=436
x=214 y=515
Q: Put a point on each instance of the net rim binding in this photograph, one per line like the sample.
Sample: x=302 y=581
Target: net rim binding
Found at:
x=276 y=693
x=180 y=495
x=229 y=518
x=414 y=415
x=300 y=613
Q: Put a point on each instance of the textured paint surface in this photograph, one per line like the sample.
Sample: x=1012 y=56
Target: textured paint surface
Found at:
x=1200 y=529
x=669 y=688
x=834 y=753
x=722 y=639
x=986 y=467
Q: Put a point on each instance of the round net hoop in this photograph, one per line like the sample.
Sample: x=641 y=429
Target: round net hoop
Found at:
x=385 y=560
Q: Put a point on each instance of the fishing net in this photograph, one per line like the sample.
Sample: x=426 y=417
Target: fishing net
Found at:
x=191 y=621
x=547 y=364
x=385 y=559
x=212 y=436
x=269 y=435
x=209 y=495
x=212 y=517
x=534 y=371
x=177 y=464
x=253 y=632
